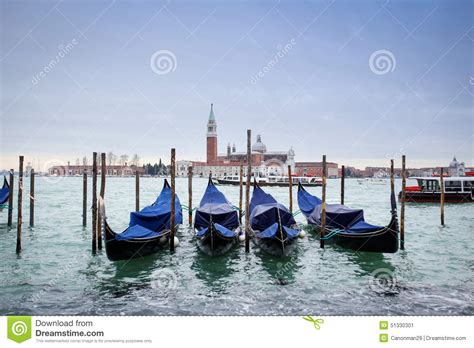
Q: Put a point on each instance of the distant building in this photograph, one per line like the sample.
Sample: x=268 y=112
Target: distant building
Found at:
x=113 y=170
x=263 y=162
x=182 y=167
x=456 y=168
x=316 y=169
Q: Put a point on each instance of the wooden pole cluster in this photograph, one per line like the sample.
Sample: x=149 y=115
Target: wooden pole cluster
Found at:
x=10 y=198
x=94 y=202
x=247 y=192
x=173 y=202
x=290 y=183
x=323 y=205
x=84 y=198
x=137 y=191
x=241 y=191
x=343 y=177
x=190 y=195
x=103 y=172
x=32 y=198
x=441 y=181
x=20 y=198
x=402 y=207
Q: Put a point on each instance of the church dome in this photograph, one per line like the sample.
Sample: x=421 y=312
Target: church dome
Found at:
x=454 y=163
x=259 y=146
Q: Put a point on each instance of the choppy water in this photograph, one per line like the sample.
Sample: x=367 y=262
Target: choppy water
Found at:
x=56 y=273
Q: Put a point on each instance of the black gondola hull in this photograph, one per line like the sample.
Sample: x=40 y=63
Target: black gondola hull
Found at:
x=275 y=246
x=215 y=244
x=384 y=240
x=118 y=250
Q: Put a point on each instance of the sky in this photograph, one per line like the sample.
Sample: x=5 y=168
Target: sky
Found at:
x=359 y=81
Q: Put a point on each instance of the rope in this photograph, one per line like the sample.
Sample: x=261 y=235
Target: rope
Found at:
x=185 y=207
x=332 y=234
x=297 y=212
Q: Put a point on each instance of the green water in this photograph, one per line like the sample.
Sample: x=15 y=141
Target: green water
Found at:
x=57 y=274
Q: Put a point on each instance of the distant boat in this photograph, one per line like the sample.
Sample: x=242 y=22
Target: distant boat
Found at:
x=149 y=229
x=372 y=181
x=281 y=181
x=457 y=189
x=216 y=222
x=347 y=227
x=273 y=226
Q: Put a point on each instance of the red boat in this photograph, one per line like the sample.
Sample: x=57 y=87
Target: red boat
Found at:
x=458 y=189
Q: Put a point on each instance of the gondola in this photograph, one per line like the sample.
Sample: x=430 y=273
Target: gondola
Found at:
x=4 y=193
x=348 y=228
x=216 y=222
x=272 y=225
x=148 y=230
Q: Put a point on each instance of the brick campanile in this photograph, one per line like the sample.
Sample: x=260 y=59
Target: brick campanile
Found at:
x=211 y=137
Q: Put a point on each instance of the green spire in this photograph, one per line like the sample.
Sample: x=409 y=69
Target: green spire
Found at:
x=211 y=114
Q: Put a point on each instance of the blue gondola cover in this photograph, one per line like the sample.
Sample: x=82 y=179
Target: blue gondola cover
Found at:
x=265 y=211
x=338 y=216
x=4 y=191
x=214 y=205
x=274 y=232
x=156 y=217
x=137 y=232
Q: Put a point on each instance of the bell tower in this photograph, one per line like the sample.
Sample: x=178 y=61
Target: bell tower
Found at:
x=211 y=137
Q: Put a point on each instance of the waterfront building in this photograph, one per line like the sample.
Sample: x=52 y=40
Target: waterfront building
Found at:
x=264 y=162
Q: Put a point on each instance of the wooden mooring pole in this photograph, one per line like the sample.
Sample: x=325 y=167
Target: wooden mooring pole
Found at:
x=441 y=181
x=103 y=172
x=20 y=198
x=323 y=205
x=32 y=198
x=10 y=198
x=402 y=207
x=247 y=192
x=392 y=177
x=94 y=202
x=137 y=191
x=173 y=198
x=190 y=195
x=84 y=198
x=343 y=177
x=290 y=184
